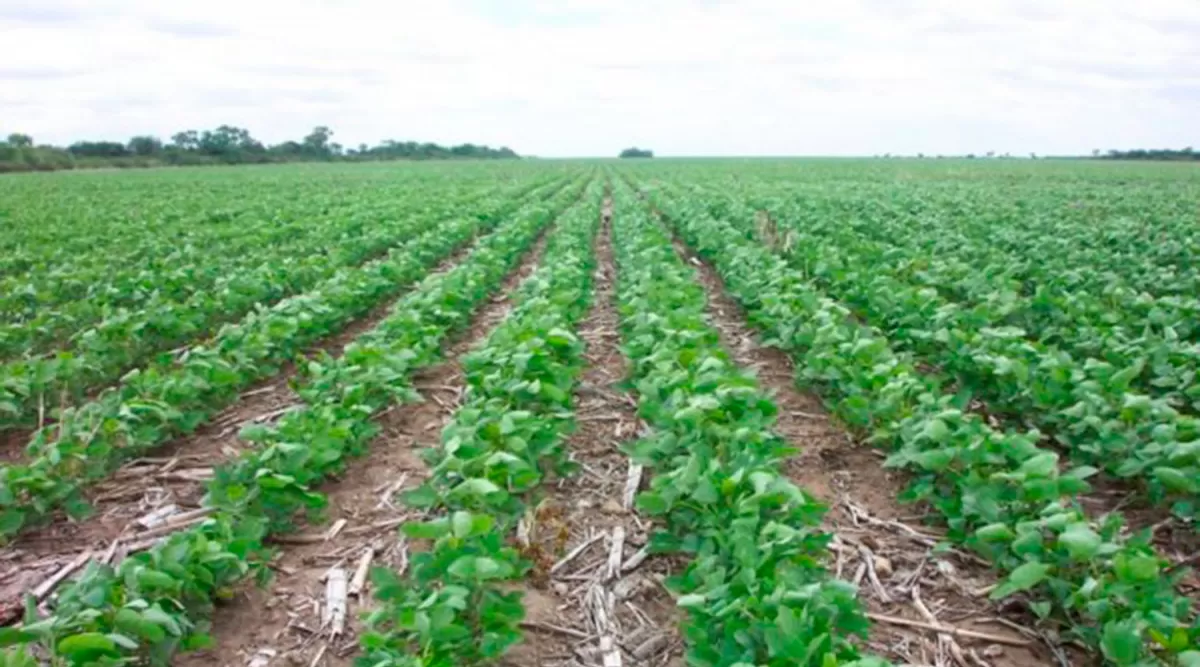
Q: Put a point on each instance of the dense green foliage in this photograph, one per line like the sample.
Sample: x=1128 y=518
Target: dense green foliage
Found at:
x=62 y=349
x=1011 y=334
x=454 y=606
x=755 y=589
x=225 y=144
x=1151 y=154
x=909 y=365
x=174 y=393
x=157 y=602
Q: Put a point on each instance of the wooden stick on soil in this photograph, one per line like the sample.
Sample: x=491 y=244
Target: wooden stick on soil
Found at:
x=359 y=581
x=632 y=481
x=46 y=587
x=335 y=601
x=615 y=554
x=948 y=629
x=574 y=553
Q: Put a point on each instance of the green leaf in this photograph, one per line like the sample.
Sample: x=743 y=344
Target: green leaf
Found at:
x=1138 y=568
x=11 y=521
x=462 y=522
x=936 y=430
x=652 y=503
x=935 y=460
x=124 y=642
x=1174 y=480
x=1189 y=659
x=1080 y=541
x=1042 y=465
x=1121 y=643
x=155 y=579
x=422 y=497
x=476 y=486
x=161 y=618
x=1023 y=578
x=995 y=532
x=86 y=646
x=706 y=492
x=426 y=530
x=489 y=568
x=13 y=636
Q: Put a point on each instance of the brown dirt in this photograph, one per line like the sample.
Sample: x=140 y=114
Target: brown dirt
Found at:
x=892 y=562
x=1176 y=540
x=282 y=621
x=585 y=509
x=12 y=445
x=175 y=475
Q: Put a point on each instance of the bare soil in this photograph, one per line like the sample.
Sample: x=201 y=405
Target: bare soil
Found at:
x=281 y=624
x=878 y=544
x=171 y=481
x=578 y=606
x=12 y=445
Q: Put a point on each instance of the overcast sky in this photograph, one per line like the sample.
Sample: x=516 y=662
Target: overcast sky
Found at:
x=589 y=77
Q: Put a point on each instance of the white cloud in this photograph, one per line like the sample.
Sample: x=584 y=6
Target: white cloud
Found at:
x=588 y=77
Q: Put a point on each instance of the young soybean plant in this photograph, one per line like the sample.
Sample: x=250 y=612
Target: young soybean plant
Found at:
x=455 y=605
x=755 y=590
x=999 y=493
x=159 y=601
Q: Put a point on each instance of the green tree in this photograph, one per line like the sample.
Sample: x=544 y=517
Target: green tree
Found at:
x=146 y=146
x=316 y=144
x=98 y=149
x=188 y=140
x=225 y=144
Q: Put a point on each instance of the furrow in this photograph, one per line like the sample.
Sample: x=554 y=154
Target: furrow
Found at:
x=488 y=474
x=571 y=533
x=754 y=582
x=1089 y=582
x=283 y=621
x=160 y=601
x=898 y=565
x=152 y=405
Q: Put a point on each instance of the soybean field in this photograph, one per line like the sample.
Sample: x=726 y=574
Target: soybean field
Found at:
x=704 y=412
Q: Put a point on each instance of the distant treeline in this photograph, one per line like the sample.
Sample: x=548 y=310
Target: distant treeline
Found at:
x=636 y=152
x=1148 y=154
x=224 y=145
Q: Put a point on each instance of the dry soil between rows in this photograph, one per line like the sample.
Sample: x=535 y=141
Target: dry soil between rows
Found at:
x=173 y=479
x=579 y=607
x=878 y=544
x=282 y=623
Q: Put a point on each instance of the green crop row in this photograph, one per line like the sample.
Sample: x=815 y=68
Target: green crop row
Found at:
x=998 y=492
x=162 y=401
x=1090 y=406
x=53 y=306
x=455 y=605
x=77 y=247
x=37 y=388
x=1062 y=289
x=1103 y=269
x=157 y=602
x=756 y=590
x=49 y=309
